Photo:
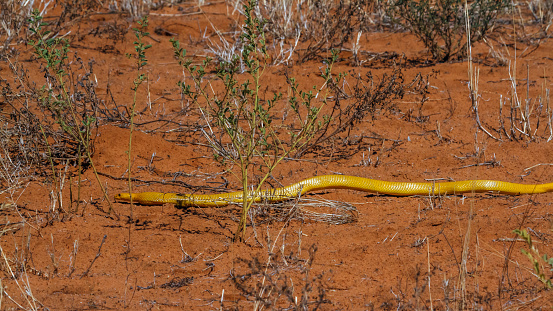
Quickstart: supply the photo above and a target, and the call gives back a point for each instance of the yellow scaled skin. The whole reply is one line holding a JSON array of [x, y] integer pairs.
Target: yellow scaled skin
[[335, 182]]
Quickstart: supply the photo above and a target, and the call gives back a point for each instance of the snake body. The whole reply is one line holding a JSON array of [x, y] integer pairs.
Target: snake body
[[335, 182]]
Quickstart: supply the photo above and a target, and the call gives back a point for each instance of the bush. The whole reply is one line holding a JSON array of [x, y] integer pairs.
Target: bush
[[441, 25], [240, 120]]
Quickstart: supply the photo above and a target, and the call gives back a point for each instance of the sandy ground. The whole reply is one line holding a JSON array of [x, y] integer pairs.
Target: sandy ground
[[401, 252]]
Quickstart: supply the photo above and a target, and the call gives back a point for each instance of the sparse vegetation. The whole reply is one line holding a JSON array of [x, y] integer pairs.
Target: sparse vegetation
[[525, 117], [319, 26], [243, 131], [271, 286], [541, 264], [522, 116]]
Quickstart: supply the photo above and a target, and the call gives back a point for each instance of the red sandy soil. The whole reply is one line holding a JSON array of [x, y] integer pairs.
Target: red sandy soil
[[401, 253]]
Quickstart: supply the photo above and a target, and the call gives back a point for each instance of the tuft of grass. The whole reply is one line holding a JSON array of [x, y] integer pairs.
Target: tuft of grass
[[440, 25], [321, 25], [273, 285], [138, 9], [13, 170], [15, 270], [528, 117], [13, 18], [317, 26], [542, 11], [521, 117]]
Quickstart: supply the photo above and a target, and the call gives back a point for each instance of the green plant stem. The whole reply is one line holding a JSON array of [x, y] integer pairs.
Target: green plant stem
[[129, 151], [79, 168], [141, 61]]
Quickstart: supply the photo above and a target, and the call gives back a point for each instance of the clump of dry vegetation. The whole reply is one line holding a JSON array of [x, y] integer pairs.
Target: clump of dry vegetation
[[321, 25], [13, 19], [274, 284], [441, 25]]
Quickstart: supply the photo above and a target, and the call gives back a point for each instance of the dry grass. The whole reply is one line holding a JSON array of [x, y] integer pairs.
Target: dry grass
[[317, 26], [13, 19], [22, 297]]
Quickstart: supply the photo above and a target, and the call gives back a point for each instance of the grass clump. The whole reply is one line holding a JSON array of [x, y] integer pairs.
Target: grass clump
[[13, 16], [285, 282], [298, 31], [322, 25], [440, 25], [542, 11]]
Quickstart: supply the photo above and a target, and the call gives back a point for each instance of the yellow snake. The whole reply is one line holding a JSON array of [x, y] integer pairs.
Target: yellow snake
[[336, 182]]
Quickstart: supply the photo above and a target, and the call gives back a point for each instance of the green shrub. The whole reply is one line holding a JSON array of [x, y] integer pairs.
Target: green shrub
[[242, 124], [65, 105]]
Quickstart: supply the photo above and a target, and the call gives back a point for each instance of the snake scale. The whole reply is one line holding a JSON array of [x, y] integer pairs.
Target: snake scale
[[336, 182]]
